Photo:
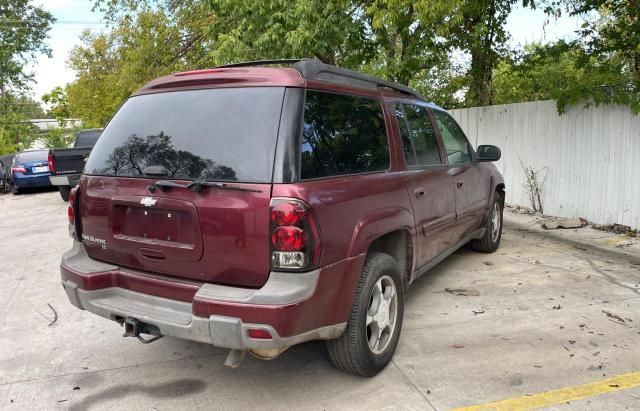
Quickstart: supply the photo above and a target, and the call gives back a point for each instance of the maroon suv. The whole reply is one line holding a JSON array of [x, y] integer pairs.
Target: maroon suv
[[255, 208]]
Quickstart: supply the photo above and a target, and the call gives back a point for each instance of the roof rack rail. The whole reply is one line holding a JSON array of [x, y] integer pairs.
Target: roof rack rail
[[313, 69], [317, 70], [260, 63]]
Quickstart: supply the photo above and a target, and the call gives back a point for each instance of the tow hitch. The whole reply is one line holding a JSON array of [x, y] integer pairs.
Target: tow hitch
[[134, 327]]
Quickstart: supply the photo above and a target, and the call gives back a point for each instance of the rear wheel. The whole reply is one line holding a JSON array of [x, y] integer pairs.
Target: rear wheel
[[14, 189], [64, 192], [373, 329], [493, 233]]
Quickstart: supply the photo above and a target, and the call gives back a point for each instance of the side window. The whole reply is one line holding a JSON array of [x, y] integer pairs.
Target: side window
[[342, 135], [418, 136], [455, 143]]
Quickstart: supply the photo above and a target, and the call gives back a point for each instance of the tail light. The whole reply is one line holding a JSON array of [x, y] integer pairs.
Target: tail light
[[50, 161], [295, 239], [18, 169], [71, 213]]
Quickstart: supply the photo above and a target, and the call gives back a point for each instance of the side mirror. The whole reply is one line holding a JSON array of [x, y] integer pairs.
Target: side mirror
[[488, 153]]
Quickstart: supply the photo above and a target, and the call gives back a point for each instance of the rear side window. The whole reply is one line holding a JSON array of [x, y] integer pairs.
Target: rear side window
[[418, 136], [342, 135], [212, 134]]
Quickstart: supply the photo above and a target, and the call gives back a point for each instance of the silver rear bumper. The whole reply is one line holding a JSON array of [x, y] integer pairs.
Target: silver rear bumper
[[174, 318]]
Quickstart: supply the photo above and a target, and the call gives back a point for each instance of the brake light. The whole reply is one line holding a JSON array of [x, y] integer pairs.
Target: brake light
[[50, 161], [18, 169], [295, 239], [289, 238], [287, 213], [71, 214]]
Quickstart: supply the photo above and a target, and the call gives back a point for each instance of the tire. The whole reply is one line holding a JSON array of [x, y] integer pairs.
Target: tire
[[64, 192], [14, 189], [352, 351], [492, 235]]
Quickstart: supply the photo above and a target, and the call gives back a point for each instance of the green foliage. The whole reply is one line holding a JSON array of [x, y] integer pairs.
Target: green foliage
[[566, 73], [16, 133], [142, 45], [23, 31], [59, 102], [59, 137], [410, 42]]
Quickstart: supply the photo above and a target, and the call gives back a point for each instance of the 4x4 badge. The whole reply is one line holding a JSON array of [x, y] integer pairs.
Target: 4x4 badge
[[148, 201]]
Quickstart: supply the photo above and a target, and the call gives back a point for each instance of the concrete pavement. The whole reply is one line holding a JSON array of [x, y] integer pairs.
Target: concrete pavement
[[538, 322]]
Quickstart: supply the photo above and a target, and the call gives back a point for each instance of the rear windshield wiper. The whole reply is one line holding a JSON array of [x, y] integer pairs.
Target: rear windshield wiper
[[197, 186]]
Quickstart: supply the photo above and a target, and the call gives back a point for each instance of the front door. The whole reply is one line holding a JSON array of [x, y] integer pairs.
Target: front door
[[429, 184], [471, 189]]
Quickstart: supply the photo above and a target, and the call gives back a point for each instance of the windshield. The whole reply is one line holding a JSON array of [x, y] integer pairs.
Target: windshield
[[39, 155], [214, 134]]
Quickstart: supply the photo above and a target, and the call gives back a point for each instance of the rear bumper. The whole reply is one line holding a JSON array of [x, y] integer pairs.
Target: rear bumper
[[292, 307], [65, 180], [31, 181]]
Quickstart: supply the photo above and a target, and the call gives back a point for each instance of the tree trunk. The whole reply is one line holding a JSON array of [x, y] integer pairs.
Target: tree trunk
[[481, 90]]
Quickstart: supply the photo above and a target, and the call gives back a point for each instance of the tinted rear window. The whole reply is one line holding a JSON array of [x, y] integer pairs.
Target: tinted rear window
[[342, 135], [33, 155], [215, 134], [87, 138]]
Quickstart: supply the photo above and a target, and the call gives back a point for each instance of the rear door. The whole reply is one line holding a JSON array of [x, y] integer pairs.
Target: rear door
[[471, 188], [429, 184], [136, 209]]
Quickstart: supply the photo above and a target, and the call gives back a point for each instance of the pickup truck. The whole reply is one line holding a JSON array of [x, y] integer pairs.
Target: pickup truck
[[66, 164]]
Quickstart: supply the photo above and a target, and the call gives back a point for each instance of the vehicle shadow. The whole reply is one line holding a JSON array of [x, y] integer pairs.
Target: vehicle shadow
[[34, 190]]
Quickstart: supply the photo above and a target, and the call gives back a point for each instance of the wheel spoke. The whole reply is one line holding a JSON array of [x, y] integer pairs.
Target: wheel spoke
[[389, 293], [369, 319], [374, 339]]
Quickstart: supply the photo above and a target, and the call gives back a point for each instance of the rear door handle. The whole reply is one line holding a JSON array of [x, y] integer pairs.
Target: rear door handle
[[419, 192], [459, 183]]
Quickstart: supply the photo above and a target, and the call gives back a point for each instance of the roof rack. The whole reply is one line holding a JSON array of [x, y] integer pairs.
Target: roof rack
[[313, 69], [260, 63]]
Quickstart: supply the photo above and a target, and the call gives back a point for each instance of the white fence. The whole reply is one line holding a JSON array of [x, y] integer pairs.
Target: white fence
[[590, 157]]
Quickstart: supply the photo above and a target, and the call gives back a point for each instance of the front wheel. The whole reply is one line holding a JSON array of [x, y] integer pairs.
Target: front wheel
[[493, 233], [373, 329]]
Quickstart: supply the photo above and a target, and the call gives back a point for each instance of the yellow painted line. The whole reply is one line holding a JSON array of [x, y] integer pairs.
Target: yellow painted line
[[562, 395]]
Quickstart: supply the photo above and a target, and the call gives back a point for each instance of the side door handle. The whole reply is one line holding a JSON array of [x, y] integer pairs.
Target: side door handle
[[459, 183], [419, 192]]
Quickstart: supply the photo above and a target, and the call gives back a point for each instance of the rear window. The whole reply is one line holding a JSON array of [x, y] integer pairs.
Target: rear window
[[214, 134], [87, 138], [33, 155], [342, 135]]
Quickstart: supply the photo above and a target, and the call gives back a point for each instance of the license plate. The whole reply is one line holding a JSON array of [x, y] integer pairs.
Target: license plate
[[41, 169]]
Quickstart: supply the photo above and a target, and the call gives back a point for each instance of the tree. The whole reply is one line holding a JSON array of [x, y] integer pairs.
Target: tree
[[564, 72], [145, 42], [23, 31], [59, 102]]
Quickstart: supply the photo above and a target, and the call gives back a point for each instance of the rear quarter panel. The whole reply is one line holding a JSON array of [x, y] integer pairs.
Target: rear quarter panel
[[352, 211]]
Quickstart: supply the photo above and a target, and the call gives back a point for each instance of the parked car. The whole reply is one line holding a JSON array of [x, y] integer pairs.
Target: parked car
[[5, 169], [255, 208], [29, 169], [66, 165]]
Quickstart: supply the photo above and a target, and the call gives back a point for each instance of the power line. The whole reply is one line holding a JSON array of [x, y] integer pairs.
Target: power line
[[9, 22]]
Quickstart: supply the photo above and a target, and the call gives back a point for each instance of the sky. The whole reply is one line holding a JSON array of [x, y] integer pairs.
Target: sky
[[74, 16]]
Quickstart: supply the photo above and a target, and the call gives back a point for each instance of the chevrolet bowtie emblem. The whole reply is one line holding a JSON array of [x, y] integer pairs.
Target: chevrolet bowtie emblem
[[148, 201]]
